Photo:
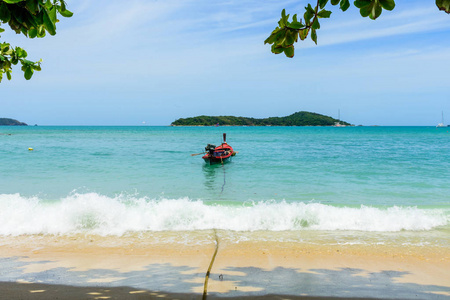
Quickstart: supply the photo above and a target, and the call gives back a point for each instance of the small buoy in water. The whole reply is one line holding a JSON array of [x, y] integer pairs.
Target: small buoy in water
[[30, 149]]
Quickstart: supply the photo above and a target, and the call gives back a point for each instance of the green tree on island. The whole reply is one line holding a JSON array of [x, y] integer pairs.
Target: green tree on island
[[301, 118], [288, 32], [32, 18]]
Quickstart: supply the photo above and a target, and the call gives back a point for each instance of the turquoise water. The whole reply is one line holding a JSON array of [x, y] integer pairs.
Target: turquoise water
[[114, 180]]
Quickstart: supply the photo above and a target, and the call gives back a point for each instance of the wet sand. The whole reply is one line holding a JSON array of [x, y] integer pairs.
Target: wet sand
[[146, 267]]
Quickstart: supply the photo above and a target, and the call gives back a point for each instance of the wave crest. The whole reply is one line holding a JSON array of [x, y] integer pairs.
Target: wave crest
[[97, 214]]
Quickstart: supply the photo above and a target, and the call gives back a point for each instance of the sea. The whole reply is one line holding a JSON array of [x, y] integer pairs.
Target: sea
[[317, 185]]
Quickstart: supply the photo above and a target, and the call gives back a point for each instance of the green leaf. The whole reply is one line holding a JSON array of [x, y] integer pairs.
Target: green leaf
[[284, 18], [276, 35], [8, 74], [362, 3], [48, 4], [387, 4], [32, 6], [27, 62], [272, 36], [443, 5], [371, 9], [314, 36], [303, 34], [63, 6], [13, 1], [4, 47], [315, 24], [288, 39], [335, 2], [52, 14], [277, 49], [21, 53], [41, 31], [309, 14], [49, 25], [32, 21], [376, 12], [66, 13], [5, 65], [324, 14], [291, 37], [345, 4], [310, 9], [24, 31], [322, 3], [28, 73], [32, 33], [295, 25], [289, 51], [5, 14], [365, 11]]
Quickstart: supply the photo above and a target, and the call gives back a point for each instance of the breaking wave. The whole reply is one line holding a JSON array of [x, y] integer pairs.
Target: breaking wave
[[92, 213]]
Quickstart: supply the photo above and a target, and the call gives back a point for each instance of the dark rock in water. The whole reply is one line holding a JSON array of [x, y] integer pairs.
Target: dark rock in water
[[11, 122]]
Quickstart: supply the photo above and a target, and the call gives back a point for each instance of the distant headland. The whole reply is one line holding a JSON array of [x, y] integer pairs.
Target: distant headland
[[11, 122], [301, 118]]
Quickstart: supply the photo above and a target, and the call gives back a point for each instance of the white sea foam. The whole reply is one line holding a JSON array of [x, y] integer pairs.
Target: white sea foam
[[97, 214]]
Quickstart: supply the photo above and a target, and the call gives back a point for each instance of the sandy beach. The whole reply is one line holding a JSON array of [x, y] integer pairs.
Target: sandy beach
[[94, 267]]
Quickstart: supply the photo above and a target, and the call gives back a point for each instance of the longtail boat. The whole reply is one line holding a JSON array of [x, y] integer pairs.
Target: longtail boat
[[219, 154]]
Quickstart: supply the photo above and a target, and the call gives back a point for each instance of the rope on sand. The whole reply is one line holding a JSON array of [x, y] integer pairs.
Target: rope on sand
[[205, 286]]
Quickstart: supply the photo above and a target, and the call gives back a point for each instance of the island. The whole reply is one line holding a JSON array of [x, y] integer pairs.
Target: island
[[301, 118], [11, 122]]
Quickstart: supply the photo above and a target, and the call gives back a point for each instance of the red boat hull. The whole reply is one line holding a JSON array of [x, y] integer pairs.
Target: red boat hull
[[221, 154]]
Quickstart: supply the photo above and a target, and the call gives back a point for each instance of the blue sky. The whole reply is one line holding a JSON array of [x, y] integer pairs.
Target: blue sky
[[156, 61]]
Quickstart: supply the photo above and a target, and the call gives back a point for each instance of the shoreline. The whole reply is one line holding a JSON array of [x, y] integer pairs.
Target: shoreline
[[128, 267]]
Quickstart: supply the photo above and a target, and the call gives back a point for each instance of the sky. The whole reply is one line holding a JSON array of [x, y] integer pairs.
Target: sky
[[150, 62]]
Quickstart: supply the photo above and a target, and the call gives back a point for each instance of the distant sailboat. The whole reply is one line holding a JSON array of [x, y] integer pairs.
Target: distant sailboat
[[338, 123], [442, 123]]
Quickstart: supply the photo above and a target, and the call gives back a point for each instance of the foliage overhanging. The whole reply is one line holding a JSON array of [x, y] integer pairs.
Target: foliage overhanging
[[32, 18], [288, 32]]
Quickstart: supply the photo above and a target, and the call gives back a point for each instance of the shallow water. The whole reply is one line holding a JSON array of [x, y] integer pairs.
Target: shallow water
[[320, 184]]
